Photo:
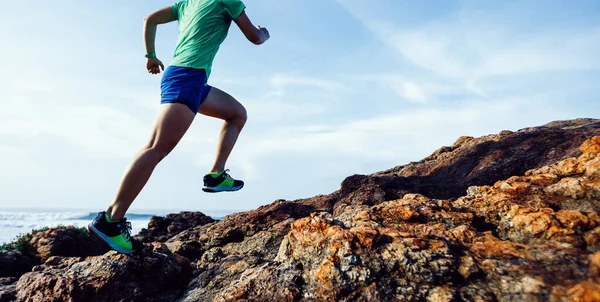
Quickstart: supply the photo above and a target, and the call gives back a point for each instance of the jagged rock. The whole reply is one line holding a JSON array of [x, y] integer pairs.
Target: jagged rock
[[8, 289], [414, 249], [519, 272], [340, 263], [555, 203], [449, 171], [262, 228], [160, 229], [152, 275], [571, 124], [67, 241], [241, 241], [14, 264]]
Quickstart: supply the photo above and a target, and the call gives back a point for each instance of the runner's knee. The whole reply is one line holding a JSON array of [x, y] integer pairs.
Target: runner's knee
[[241, 118], [238, 118], [160, 151]]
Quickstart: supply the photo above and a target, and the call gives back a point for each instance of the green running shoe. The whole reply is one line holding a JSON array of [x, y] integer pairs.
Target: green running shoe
[[116, 234], [221, 182]]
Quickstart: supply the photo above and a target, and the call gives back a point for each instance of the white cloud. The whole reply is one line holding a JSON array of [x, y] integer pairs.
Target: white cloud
[[281, 82], [416, 89], [473, 45], [95, 131], [466, 51]]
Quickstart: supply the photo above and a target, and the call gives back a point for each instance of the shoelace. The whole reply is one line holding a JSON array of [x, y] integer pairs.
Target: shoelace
[[227, 176], [125, 228]]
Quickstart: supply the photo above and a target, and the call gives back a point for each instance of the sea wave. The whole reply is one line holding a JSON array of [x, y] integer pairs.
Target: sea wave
[[9, 231], [49, 216], [17, 225]]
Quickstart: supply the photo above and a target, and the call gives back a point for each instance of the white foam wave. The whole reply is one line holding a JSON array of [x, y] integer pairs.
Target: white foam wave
[[10, 230], [31, 216]]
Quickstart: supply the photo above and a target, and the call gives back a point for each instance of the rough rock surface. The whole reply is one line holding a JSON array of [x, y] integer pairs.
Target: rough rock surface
[[558, 203], [508, 217], [154, 274], [450, 170], [14, 264], [67, 242], [8, 289], [162, 228]]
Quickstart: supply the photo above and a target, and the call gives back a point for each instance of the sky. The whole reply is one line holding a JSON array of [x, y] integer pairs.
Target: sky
[[342, 87]]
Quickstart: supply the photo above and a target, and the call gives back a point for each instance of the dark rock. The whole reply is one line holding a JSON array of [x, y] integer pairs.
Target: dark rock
[[261, 229], [67, 241], [160, 229], [8, 289], [150, 275], [448, 172], [14, 263]]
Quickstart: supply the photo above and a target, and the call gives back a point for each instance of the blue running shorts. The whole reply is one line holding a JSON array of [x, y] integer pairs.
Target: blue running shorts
[[184, 85]]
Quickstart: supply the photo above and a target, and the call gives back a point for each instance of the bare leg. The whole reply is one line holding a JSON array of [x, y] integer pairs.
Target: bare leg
[[221, 105], [172, 122]]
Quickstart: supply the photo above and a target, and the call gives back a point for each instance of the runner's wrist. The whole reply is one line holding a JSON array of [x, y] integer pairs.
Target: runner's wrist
[[150, 55]]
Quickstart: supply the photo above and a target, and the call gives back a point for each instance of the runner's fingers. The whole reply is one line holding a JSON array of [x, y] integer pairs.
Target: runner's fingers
[[155, 68]]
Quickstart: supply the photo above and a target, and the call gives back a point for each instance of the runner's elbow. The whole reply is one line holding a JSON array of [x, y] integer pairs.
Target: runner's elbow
[[150, 19]]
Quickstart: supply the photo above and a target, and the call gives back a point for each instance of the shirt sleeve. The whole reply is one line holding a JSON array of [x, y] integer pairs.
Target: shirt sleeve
[[177, 8], [233, 8]]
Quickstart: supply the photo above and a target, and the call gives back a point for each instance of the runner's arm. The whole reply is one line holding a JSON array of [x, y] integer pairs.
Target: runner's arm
[[161, 16], [257, 35]]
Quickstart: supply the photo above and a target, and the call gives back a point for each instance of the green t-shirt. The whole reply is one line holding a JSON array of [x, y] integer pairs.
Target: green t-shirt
[[203, 26]]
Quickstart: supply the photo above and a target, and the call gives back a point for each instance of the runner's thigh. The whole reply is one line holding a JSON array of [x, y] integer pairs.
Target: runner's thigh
[[221, 105]]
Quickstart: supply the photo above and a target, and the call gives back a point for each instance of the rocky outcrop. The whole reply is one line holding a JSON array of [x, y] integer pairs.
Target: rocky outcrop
[[411, 249], [162, 228], [373, 240], [14, 264], [259, 231], [155, 274], [449, 171], [508, 217], [8, 289], [558, 203], [67, 242], [389, 216]]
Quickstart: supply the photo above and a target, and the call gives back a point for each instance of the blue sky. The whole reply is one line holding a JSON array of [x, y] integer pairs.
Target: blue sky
[[342, 87]]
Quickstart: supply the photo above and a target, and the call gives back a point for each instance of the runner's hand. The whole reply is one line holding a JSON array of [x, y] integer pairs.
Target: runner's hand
[[265, 32], [153, 64]]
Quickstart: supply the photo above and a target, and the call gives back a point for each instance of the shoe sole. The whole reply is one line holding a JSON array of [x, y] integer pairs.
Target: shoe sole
[[221, 189], [104, 238]]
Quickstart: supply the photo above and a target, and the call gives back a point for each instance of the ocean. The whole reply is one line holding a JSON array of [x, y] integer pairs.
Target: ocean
[[22, 221], [14, 223]]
